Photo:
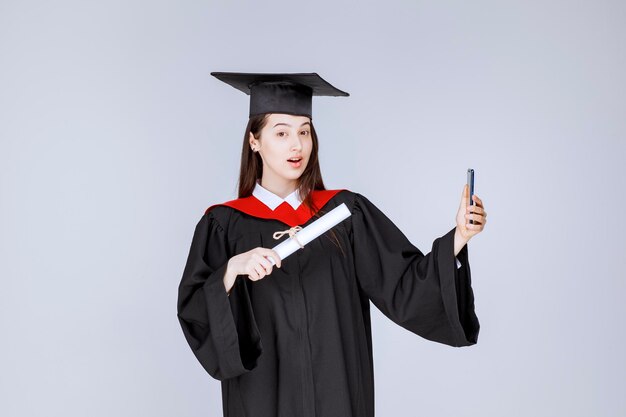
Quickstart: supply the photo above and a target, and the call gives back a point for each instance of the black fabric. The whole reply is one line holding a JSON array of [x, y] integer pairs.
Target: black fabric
[[298, 341], [280, 97]]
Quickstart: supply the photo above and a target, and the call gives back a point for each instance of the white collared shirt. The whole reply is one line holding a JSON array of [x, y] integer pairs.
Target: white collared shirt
[[272, 201]]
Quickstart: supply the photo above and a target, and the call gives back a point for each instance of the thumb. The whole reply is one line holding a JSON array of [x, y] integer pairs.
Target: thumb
[[465, 195]]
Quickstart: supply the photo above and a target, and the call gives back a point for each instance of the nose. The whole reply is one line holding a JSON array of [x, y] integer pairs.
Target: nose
[[297, 144]]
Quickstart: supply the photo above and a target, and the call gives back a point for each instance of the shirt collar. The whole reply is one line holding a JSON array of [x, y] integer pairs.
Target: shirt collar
[[272, 200]]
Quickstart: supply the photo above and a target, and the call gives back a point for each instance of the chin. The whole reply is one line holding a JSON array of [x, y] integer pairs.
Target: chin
[[294, 175]]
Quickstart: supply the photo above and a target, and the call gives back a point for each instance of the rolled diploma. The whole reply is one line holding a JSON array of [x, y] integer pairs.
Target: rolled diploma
[[315, 229]]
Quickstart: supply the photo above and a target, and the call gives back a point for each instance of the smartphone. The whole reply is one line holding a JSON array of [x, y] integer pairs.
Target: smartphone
[[470, 183]]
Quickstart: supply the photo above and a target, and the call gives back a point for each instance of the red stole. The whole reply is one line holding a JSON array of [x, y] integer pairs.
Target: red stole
[[284, 212]]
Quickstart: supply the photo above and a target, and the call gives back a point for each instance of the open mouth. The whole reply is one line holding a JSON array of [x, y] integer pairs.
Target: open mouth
[[295, 162]]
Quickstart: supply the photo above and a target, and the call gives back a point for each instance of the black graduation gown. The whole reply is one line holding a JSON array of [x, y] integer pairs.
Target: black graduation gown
[[298, 342]]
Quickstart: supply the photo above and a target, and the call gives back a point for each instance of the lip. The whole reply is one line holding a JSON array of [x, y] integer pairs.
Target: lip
[[295, 164]]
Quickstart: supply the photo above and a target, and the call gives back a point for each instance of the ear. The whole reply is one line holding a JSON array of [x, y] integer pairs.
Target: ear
[[253, 141]]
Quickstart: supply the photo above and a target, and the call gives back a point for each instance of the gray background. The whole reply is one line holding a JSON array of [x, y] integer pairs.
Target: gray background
[[115, 139]]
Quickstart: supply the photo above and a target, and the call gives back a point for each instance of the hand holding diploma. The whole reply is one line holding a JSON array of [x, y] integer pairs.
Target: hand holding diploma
[[315, 229], [258, 262]]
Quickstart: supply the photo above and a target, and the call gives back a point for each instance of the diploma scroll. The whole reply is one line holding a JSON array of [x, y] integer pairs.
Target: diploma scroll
[[315, 229]]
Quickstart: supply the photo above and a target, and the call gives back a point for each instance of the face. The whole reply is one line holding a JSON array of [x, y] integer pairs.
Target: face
[[283, 137]]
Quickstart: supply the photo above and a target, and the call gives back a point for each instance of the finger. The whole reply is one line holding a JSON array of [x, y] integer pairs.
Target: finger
[[265, 254], [264, 263], [258, 256], [260, 270], [478, 201], [474, 209], [277, 259], [256, 268], [475, 217], [273, 255]]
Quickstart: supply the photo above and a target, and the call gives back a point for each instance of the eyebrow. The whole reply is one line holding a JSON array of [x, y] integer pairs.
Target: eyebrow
[[287, 124]]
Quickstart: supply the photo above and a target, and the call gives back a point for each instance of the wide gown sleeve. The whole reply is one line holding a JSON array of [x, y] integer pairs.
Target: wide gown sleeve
[[220, 329], [426, 294]]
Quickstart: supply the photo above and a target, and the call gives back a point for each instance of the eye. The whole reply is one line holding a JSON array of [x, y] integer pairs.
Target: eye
[[306, 132], [281, 134]]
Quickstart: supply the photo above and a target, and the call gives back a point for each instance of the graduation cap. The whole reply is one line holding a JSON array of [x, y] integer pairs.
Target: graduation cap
[[280, 92]]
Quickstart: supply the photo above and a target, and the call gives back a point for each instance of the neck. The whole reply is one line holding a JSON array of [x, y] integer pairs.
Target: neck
[[282, 187]]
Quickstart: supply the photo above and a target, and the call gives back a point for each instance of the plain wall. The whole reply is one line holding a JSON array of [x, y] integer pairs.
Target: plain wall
[[114, 139]]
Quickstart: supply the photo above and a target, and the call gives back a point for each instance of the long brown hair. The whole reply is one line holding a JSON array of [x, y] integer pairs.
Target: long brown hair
[[252, 169]]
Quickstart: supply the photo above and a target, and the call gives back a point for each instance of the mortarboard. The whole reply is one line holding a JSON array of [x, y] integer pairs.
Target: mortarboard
[[280, 92]]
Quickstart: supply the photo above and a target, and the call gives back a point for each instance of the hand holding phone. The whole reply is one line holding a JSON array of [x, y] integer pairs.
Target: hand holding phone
[[470, 183]]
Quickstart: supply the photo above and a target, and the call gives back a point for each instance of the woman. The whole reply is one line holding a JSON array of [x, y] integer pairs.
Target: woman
[[296, 340]]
